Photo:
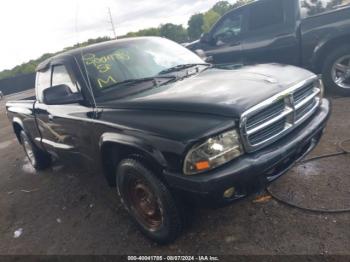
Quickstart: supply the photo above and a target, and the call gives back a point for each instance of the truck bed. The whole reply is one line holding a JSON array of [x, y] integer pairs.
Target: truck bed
[[17, 106], [21, 114]]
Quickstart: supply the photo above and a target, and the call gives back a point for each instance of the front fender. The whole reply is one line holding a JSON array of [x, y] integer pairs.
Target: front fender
[[134, 142]]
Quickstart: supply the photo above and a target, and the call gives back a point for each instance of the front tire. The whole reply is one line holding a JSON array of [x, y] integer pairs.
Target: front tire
[[38, 159], [336, 71], [149, 202]]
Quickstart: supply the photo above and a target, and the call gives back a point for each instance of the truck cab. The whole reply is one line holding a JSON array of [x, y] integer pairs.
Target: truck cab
[[258, 32]]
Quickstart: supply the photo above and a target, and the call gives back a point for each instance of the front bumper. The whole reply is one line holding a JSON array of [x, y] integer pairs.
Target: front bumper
[[253, 171]]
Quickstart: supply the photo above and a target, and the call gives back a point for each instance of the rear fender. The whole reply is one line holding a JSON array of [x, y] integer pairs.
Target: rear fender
[[324, 48], [17, 126]]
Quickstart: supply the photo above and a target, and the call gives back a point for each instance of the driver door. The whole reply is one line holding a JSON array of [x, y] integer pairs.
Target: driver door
[[227, 36], [63, 127]]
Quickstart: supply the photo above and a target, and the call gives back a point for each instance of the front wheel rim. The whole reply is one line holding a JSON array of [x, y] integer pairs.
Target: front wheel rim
[[144, 203], [341, 72]]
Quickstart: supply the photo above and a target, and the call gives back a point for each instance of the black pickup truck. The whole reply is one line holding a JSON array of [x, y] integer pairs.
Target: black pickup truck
[[166, 128], [311, 34]]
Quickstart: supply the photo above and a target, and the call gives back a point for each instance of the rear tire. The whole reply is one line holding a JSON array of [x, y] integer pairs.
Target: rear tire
[[331, 74], [149, 202], [38, 159]]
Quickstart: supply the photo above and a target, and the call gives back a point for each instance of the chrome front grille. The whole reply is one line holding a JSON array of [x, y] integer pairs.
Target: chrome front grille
[[304, 109], [270, 113], [267, 132], [302, 93], [270, 120]]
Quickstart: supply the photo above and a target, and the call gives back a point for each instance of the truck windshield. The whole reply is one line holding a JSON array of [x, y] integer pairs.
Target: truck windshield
[[134, 59]]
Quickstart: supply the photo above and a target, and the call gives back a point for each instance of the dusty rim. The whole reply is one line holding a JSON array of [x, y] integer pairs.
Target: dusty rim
[[144, 202], [341, 72]]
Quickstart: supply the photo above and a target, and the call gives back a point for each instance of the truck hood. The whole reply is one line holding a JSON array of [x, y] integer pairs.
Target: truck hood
[[225, 92]]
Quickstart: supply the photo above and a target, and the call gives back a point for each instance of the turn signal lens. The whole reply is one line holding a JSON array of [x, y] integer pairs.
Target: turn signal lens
[[202, 165]]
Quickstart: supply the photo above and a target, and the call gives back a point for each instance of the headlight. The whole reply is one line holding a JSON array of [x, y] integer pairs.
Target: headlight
[[212, 153]]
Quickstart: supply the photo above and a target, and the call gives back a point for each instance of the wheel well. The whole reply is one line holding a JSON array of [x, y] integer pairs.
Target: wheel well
[[325, 51], [113, 153], [17, 129]]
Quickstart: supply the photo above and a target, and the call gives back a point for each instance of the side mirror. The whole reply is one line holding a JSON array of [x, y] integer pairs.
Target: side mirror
[[203, 55], [60, 95], [205, 38]]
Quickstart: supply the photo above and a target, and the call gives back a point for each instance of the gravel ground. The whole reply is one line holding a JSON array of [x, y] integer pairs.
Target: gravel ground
[[69, 211]]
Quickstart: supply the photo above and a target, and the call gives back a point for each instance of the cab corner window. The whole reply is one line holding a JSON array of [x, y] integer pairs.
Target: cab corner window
[[60, 76], [266, 14], [315, 7], [43, 81]]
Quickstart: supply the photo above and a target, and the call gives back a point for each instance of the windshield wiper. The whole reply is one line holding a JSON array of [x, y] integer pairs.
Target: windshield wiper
[[181, 67]]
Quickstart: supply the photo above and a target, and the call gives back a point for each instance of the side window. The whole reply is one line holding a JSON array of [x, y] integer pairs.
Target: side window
[[43, 81], [266, 14], [228, 29], [60, 76]]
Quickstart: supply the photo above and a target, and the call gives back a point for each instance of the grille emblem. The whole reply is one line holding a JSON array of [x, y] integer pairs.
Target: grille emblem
[[289, 101]]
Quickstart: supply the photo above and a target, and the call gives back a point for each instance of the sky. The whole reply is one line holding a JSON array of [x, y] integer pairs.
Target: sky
[[29, 29]]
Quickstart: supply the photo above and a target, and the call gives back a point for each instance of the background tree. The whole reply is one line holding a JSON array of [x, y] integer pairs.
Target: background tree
[[222, 7], [153, 31], [209, 19], [195, 25], [174, 32], [313, 6]]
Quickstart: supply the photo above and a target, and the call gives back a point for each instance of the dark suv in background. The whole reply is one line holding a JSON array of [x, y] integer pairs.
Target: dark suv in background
[[309, 34]]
